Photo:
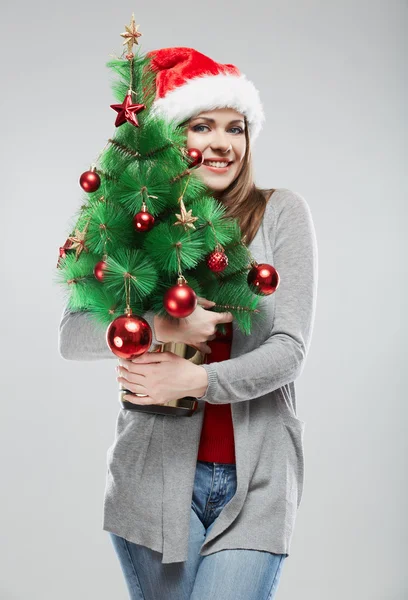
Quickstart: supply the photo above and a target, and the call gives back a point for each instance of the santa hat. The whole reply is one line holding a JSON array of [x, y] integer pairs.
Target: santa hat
[[188, 82]]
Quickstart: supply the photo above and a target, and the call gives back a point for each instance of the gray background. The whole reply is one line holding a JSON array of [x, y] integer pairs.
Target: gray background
[[333, 83]]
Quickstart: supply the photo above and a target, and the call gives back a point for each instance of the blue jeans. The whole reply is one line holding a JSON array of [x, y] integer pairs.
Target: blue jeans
[[224, 575]]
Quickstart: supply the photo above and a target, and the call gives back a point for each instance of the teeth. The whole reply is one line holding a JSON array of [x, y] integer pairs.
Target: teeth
[[216, 163]]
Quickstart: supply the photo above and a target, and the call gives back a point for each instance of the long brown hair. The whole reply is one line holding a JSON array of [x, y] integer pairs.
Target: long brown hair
[[242, 198]]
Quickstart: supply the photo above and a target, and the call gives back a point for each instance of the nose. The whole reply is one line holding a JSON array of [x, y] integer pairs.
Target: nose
[[221, 144]]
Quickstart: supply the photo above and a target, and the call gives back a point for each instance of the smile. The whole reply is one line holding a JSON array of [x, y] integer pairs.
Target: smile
[[213, 166]]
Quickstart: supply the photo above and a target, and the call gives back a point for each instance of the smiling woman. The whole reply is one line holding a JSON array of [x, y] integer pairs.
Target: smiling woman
[[205, 507]]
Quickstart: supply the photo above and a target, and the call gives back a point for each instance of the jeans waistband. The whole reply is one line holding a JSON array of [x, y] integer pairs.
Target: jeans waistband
[[225, 465]]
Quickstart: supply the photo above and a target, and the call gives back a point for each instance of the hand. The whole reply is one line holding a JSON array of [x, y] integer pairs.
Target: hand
[[163, 376], [195, 329]]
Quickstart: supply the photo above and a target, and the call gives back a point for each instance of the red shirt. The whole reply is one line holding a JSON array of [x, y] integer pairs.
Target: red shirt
[[217, 433]]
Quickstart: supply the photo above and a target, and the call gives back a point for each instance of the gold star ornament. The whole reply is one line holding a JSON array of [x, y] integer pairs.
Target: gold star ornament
[[78, 242], [131, 34], [185, 217]]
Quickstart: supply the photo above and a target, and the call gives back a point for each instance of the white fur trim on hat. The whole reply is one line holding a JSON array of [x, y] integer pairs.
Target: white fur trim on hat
[[209, 92]]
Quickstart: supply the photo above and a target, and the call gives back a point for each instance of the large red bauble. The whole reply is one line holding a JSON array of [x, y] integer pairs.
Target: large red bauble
[[195, 157], [217, 261], [143, 221], [129, 337], [90, 181], [99, 269], [180, 300], [263, 279]]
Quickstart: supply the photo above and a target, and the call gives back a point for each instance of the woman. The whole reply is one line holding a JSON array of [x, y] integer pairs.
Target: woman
[[205, 507]]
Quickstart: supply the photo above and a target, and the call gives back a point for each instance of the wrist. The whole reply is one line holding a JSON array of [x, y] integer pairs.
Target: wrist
[[201, 381], [159, 325]]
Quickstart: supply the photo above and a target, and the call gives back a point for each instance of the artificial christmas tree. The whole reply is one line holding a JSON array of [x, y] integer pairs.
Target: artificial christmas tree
[[149, 235]]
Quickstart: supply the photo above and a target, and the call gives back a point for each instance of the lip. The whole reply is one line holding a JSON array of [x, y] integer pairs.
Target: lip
[[219, 170]]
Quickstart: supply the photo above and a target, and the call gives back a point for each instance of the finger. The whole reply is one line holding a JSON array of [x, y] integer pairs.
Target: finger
[[141, 399], [131, 387], [145, 358], [149, 357], [137, 399], [202, 348], [130, 376], [124, 363], [204, 302], [212, 337], [225, 317]]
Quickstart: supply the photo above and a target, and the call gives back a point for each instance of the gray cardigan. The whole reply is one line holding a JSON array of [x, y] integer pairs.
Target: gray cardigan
[[151, 462]]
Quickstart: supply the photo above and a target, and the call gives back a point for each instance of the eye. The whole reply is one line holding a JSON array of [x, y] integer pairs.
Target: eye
[[194, 128]]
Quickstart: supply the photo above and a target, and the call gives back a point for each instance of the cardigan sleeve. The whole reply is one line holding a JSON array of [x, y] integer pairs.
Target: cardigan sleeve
[[81, 337], [281, 358]]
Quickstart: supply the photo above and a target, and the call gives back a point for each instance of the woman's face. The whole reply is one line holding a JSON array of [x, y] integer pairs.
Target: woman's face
[[219, 134]]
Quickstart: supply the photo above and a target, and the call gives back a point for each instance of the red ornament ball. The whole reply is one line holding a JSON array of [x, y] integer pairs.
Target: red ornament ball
[[195, 157], [99, 269], [263, 279], [90, 181], [62, 253], [129, 336], [180, 300], [217, 261], [143, 221]]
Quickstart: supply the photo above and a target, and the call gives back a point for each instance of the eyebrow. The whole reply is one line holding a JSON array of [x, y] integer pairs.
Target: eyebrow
[[213, 120]]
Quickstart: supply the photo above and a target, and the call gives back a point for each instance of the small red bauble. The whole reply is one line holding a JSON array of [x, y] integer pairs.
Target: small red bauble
[[263, 279], [180, 300], [217, 261], [99, 269], [129, 336], [62, 253], [195, 157], [143, 221], [90, 181]]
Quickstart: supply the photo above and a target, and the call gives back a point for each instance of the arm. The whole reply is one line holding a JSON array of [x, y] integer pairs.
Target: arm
[[280, 360], [80, 337]]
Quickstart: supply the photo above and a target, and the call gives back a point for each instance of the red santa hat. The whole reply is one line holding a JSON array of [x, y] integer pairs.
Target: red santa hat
[[188, 82]]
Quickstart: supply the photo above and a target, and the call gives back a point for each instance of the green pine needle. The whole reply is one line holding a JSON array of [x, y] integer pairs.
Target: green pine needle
[[167, 243], [141, 182], [126, 264], [110, 226], [77, 277]]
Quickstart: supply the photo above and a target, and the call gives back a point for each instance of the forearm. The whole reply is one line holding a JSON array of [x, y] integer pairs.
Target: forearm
[[81, 337], [277, 362]]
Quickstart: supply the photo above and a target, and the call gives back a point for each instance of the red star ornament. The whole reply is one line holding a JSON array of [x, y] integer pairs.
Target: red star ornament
[[127, 111]]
